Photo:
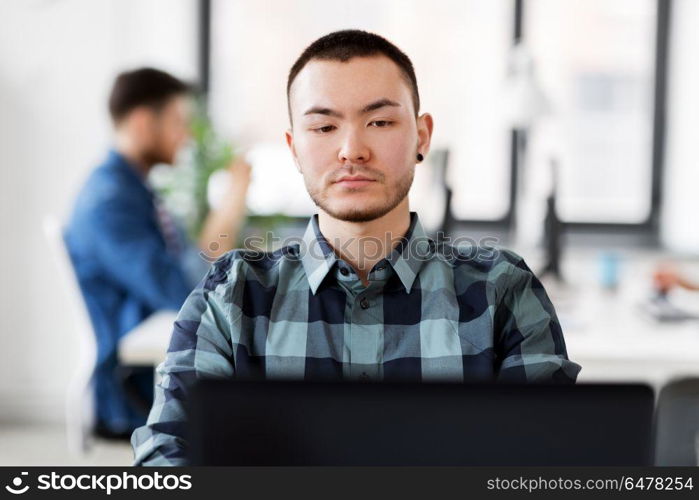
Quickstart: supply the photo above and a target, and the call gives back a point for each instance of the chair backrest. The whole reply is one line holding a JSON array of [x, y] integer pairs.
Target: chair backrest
[[677, 423], [53, 231], [79, 402]]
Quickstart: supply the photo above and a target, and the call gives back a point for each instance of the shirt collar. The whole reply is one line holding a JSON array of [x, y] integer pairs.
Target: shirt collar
[[116, 159], [406, 259]]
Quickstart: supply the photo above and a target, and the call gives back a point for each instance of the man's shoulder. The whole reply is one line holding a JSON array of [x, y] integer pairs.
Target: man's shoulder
[[482, 260], [251, 264], [107, 185]]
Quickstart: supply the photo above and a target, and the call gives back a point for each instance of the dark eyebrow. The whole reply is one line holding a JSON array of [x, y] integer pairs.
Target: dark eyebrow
[[319, 110], [379, 104]]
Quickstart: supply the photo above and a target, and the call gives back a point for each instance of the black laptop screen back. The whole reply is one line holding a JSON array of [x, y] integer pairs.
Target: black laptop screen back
[[301, 423]]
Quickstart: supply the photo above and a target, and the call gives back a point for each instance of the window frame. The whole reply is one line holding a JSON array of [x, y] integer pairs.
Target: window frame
[[645, 233]]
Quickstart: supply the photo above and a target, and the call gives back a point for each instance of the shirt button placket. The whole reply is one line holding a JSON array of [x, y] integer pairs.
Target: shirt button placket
[[361, 340]]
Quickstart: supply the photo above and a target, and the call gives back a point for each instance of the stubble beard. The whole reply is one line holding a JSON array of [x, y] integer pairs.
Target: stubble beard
[[323, 200]]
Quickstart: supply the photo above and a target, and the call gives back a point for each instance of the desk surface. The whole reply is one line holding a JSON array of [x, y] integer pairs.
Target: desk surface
[[611, 334]]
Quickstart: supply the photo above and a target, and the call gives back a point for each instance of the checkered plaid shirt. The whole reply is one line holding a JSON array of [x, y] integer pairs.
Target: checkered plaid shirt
[[430, 312]]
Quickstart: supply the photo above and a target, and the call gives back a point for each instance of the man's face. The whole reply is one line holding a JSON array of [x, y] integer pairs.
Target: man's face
[[169, 129], [355, 136]]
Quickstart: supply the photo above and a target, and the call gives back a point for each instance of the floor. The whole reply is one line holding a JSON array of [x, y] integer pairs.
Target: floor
[[45, 444]]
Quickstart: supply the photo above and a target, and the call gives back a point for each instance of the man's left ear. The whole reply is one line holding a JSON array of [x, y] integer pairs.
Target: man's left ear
[[289, 135], [424, 133]]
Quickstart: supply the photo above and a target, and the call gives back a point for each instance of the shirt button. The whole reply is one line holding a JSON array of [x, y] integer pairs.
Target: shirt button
[[344, 271], [364, 303]]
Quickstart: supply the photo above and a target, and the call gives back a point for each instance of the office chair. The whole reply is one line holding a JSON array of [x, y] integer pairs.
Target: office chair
[[79, 399], [677, 423]]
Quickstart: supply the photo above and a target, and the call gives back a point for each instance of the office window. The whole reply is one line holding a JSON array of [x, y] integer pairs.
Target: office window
[[459, 50], [596, 61]]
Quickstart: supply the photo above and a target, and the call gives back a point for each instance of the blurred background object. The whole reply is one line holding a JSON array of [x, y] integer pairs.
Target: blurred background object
[[677, 424], [619, 81]]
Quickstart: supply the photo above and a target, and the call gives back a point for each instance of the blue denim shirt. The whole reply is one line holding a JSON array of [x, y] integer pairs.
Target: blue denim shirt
[[124, 270]]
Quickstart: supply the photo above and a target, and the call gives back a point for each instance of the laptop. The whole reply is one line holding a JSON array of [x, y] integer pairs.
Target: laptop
[[284, 423]]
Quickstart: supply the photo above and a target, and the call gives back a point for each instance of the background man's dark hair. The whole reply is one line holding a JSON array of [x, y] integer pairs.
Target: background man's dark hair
[[346, 44], [143, 87]]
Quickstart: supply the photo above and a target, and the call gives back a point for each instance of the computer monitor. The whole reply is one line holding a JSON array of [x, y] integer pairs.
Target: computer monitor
[[365, 424]]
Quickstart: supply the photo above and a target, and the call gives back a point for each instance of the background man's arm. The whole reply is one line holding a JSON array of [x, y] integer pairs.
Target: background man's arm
[[222, 226]]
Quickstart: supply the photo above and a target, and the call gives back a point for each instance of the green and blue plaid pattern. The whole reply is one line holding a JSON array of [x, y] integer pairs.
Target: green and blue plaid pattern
[[431, 312]]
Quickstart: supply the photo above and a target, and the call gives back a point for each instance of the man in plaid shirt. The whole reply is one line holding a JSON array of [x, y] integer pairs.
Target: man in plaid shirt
[[365, 295]]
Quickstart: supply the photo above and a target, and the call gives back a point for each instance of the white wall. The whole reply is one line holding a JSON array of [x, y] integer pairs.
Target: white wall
[[680, 230], [57, 60]]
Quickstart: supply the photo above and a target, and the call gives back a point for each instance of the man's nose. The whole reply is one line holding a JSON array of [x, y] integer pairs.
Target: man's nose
[[354, 149]]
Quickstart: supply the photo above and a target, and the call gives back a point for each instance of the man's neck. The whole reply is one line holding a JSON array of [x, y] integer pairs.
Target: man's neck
[[363, 244], [133, 156]]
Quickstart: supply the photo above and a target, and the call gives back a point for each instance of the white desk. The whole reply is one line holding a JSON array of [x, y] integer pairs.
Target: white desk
[[147, 343], [611, 335], [619, 344]]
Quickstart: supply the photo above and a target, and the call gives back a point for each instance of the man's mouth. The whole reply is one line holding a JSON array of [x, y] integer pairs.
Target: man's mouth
[[354, 181]]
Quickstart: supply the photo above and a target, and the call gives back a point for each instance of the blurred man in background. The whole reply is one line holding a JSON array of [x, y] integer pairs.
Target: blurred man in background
[[130, 257]]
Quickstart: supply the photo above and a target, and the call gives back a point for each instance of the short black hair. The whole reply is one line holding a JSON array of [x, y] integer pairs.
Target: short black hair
[[346, 44], [143, 87]]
